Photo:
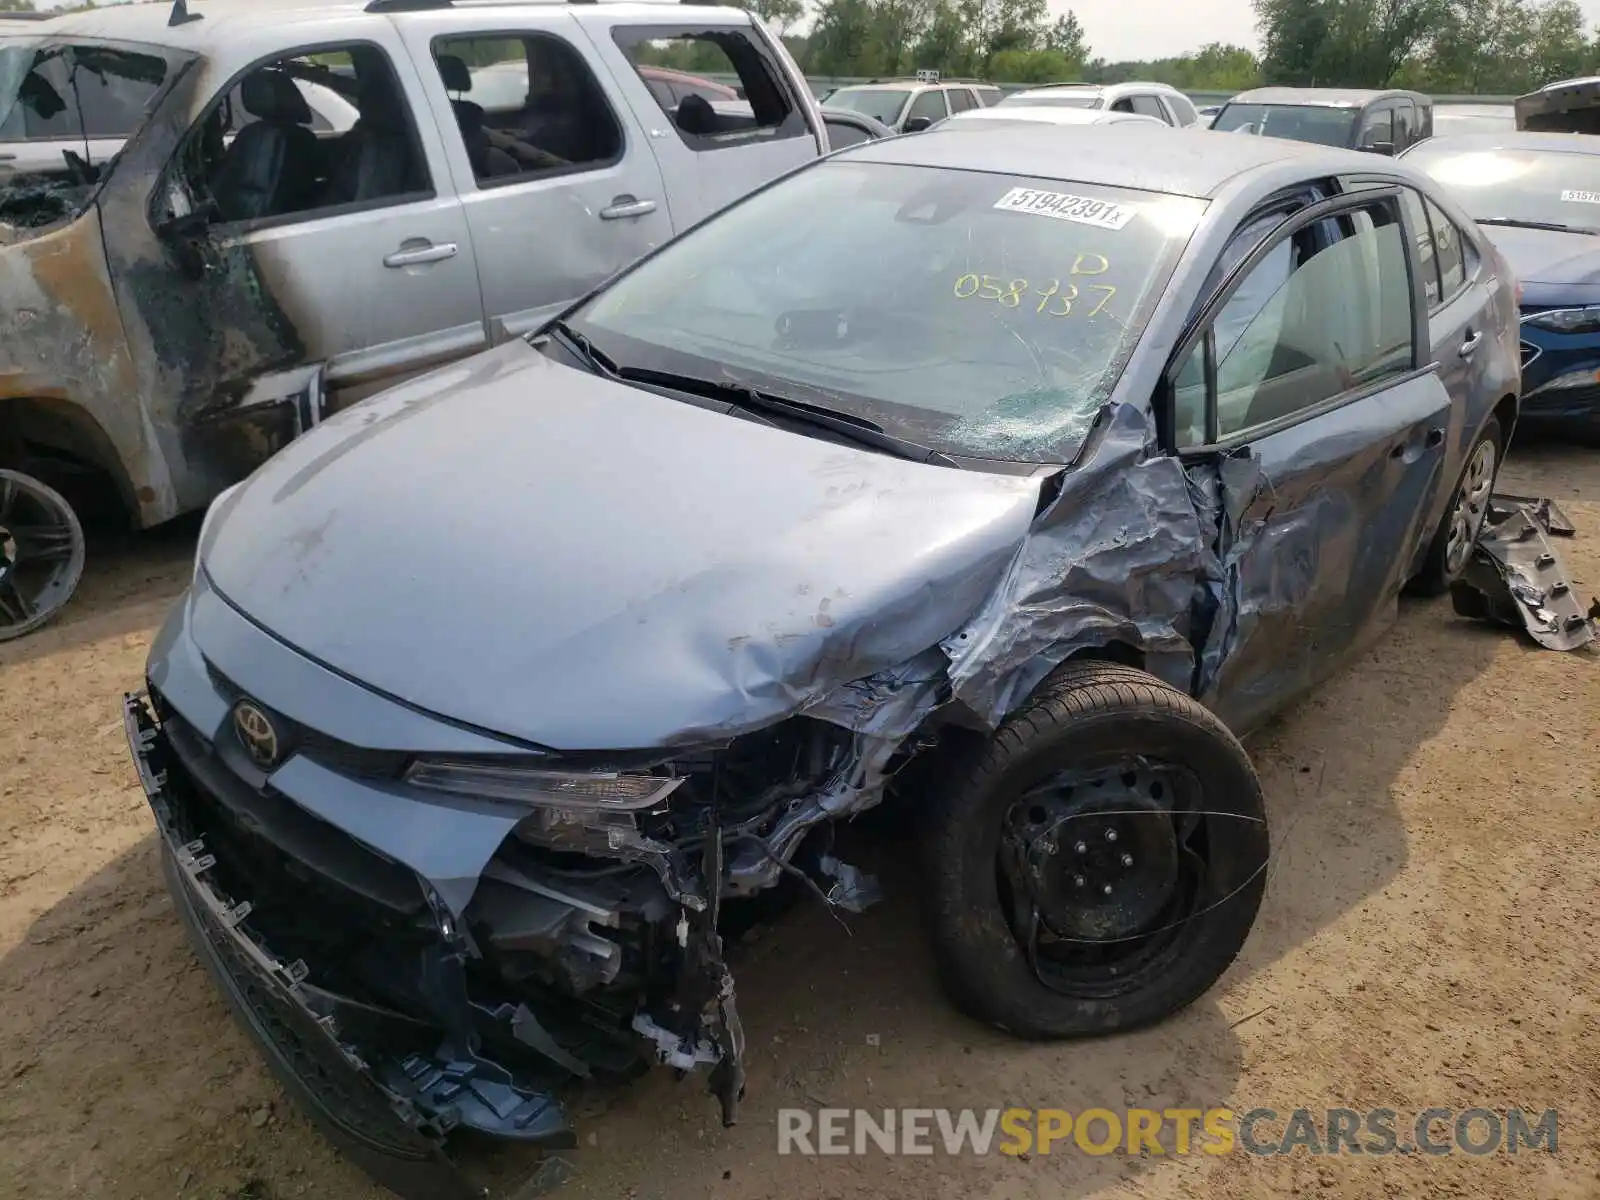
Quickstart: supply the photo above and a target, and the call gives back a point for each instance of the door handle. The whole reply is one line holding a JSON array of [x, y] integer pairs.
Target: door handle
[[419, 255], [627, 206], [1471, 344]]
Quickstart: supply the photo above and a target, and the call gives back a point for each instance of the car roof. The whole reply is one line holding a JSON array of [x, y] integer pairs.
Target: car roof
[[1324, 97], [1053, 115], [1097, 88], [149, 22], [902, 85], [1149, 156], [1514, 139]]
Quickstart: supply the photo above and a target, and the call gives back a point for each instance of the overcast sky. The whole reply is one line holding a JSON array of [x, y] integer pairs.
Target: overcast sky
[[1125, 29]]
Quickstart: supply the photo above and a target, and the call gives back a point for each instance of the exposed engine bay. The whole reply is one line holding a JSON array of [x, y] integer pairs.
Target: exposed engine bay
[[593, 944], [621, 905]]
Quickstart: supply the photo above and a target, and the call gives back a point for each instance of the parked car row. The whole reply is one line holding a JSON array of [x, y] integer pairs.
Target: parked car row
[[1012, 471]]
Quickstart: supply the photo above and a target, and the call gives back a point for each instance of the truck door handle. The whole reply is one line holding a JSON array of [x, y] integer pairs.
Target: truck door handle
[[1471, 344], [416, 256], [627, 206]]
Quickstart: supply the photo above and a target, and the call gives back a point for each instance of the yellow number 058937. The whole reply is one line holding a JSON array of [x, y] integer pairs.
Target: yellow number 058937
[[1054, 300]]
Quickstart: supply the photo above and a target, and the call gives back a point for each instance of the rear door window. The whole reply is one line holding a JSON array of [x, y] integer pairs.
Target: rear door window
[[528, 106], [1377, 128], [1427, 259], [1150, 106], [961, 100], [929, 104], [1450, 247], [1405, 125], [709, 69]]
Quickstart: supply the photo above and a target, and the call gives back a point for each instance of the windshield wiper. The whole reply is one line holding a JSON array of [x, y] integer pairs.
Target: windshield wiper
[[744, 397], [1552, 226], [597, 360]]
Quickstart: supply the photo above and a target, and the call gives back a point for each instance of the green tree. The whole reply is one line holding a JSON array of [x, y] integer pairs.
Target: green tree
[[780, 14], [1066, 38]]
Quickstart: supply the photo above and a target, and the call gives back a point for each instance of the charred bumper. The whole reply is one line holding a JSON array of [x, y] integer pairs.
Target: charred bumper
[[385, 1086]]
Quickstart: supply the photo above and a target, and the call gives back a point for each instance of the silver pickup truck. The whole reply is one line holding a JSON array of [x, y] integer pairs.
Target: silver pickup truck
[[204, 263]]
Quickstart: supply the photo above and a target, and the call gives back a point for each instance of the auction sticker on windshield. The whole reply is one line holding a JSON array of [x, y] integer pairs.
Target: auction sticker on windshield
[[1065, 207], [1581, 197]]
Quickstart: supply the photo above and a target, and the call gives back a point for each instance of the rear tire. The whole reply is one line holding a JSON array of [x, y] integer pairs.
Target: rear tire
[[1469, 507], [1096, 721]]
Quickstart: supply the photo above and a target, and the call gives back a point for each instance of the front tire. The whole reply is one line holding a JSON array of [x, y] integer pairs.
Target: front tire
[[1100, 863]]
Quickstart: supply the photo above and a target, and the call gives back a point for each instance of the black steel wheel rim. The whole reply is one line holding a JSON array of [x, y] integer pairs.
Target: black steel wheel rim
[[1102, 870]]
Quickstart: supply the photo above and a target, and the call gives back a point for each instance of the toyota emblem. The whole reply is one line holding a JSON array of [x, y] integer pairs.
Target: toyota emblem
[[256, 734]]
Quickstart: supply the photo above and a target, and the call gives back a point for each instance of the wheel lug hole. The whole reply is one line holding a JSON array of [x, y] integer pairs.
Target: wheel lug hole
[[1078, 881], [1106, 891], [1127, 860], [1111, 835], [1082, 848]]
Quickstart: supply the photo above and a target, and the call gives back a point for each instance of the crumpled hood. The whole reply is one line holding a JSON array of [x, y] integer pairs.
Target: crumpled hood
[[1548, 255], [581, 564]]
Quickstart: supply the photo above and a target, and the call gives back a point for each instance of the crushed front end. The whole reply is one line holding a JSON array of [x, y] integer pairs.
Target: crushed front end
[[402, 993]]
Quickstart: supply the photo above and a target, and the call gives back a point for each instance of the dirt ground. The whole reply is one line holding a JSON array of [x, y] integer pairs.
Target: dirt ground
[[1427, 939]]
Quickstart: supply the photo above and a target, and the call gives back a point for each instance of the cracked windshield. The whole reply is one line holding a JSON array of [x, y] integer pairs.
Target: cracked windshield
[[980, 314]]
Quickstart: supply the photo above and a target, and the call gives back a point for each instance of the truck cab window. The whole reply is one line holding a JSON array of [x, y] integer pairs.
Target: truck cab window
[[725, 89], [526, 107]]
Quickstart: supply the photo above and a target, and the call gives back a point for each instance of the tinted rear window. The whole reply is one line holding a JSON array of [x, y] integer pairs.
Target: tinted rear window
[[1298, 122]]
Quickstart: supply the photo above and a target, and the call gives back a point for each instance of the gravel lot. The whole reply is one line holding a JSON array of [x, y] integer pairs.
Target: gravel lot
[[1427, 939]]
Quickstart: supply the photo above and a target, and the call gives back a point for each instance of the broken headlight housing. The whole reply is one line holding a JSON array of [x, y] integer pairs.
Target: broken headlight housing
[[588, 791], [1567, 320]]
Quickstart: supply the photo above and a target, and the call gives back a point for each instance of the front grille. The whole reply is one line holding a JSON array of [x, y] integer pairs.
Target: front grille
[[275, 838], [343, 757]]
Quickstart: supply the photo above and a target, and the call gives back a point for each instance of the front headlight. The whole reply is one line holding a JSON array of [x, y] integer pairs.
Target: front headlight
[[595, 791], [1567, 320]]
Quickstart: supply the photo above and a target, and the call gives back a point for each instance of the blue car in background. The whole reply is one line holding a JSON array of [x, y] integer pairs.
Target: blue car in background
[[1537, 195]]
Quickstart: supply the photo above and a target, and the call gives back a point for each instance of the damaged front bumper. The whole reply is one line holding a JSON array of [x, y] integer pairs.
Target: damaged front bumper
[[415, 962], [390, 1112]]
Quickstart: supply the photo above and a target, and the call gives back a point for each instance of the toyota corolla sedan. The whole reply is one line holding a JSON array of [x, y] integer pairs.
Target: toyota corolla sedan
[[1014, 473], [1537, 197]]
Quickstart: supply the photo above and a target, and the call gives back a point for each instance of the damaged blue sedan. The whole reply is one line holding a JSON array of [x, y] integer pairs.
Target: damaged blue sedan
[[1012, 475]]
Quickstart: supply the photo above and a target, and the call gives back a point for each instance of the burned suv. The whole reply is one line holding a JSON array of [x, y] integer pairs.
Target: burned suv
[[222, 221]]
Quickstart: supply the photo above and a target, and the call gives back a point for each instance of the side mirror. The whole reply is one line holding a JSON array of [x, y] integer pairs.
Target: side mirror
[[917, 124]]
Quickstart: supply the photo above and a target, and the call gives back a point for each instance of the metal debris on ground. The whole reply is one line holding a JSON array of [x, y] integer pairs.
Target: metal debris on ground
[[1516, 578]]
